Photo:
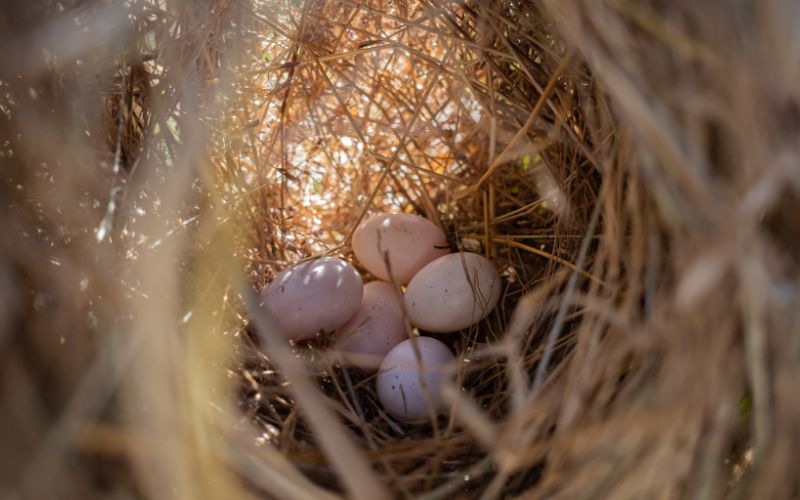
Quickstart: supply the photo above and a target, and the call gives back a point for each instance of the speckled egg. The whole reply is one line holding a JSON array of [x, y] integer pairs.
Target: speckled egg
[[375, 329], [313, 296], [410, 240], [452, 292], [399, 381]]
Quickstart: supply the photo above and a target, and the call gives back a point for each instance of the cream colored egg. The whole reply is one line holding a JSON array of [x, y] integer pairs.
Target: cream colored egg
[[410, 240], [400, 378], [315, 296], [376, 328], [452, 292]]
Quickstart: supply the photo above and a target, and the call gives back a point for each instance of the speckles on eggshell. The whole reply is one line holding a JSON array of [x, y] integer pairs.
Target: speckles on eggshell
[[442, 297], [332, 285], [399, 383]]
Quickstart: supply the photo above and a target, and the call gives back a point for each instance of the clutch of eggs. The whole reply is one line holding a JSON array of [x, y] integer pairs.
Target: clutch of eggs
[[445, 292]]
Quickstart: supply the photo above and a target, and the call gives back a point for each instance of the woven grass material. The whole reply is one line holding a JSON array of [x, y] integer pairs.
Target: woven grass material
[[631, 168]]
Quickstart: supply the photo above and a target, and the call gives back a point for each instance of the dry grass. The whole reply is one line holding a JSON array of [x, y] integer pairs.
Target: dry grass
[[630, 167]]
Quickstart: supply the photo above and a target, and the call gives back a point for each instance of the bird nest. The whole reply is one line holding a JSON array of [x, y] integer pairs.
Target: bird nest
[[630, 169]]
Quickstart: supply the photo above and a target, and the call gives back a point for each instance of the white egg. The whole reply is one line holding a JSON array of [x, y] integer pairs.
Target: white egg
[[313, 296], [452, 292], [410, 240], [400, 378], [376, 328]]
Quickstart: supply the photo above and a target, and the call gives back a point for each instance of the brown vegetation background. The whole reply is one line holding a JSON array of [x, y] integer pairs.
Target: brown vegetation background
[[631, 168]]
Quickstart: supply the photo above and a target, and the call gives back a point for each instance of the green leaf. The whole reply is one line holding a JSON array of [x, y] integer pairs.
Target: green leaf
[[744, 406]]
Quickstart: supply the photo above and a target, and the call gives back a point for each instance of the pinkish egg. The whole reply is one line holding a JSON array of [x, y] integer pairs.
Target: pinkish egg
[[376, 328], [452, 292], [400, 378], [314, 296], [410, 240]]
